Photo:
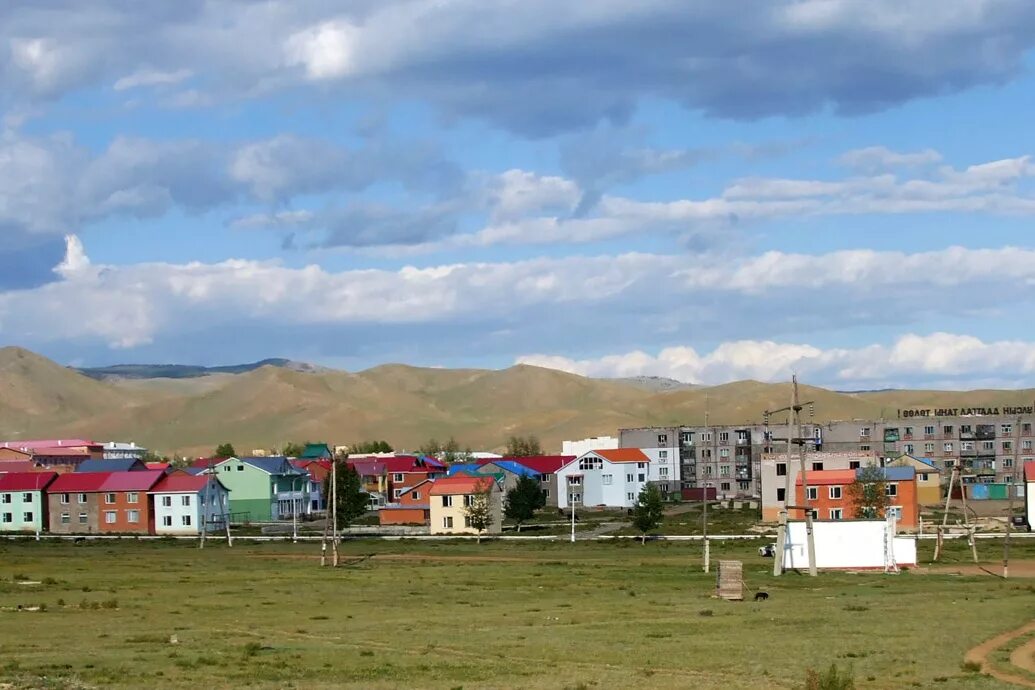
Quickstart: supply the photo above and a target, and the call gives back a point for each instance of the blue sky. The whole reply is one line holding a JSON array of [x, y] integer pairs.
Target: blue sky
[[839, 188]]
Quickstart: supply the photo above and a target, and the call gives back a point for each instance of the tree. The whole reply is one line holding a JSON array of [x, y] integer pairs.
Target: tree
[[292, 449], [648, 511], [523, 446], [523, 500], [448, 452], [868, 493], [225, 450], [352, 500], [479, 511], [371, 447]]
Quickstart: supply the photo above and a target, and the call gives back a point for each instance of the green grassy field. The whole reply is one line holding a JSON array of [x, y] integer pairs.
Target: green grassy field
[[499, 615]]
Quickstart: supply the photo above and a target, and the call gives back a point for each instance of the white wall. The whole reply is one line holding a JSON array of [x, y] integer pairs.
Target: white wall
[[621, 492], [213, 510], [846, 544], [667, 459], [585, 445], [1029, 502]]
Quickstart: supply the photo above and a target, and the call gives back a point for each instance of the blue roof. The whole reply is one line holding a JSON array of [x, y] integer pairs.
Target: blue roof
[[893, 474], [515, 467], [114, 465], [276, 464], [927, 461], [464, 468]]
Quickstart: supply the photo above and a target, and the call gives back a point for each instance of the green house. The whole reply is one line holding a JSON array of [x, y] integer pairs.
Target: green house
[[23, 507], [316, 451], [264, 489]]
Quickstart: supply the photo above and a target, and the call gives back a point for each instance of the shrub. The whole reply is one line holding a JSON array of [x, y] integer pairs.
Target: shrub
[[831, 679], [252, 648], [971, 666]]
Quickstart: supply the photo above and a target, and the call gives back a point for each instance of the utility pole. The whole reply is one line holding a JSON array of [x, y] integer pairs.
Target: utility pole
[[707, 550], [797, 438], [334, 514], [1012, 489]]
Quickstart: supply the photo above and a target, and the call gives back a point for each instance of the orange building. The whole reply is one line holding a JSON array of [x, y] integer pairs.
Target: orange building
[[413, 507], [830, 498]]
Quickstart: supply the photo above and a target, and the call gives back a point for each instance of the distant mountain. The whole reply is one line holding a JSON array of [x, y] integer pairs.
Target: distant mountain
[[188, 371], [272, 404], [652, 383]]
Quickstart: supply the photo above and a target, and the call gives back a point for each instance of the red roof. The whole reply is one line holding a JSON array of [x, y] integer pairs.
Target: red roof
[[824, 477], [80, 482], [55, 452], [25, 481], [56, 443], [411, 463], [205, 462], [543, 464], [17, 466], [368, 468], [623, 455], [461, 484], [181, 483], [157, 465], [141, 480]]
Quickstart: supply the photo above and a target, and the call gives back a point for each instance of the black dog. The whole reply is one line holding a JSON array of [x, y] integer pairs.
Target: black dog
[[761, 596]]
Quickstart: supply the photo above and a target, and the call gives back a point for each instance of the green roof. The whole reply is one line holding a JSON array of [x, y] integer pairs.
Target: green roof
[[317, 450]]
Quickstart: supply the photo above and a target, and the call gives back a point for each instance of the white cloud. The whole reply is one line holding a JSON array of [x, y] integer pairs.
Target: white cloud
[[912, 359], [151, 77], [326, 51], [879, 158]]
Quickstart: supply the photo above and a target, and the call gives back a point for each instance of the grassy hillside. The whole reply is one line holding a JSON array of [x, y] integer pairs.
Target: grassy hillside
[[406, 405]]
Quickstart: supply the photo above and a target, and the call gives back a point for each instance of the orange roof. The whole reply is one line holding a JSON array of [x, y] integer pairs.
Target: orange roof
[[461, 484], [823, 477], [623, 455]]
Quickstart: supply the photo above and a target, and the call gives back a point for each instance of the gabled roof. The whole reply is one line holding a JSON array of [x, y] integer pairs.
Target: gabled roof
[[79, 482], [828, 477], [17, 466], [894, 474], [276, 464], [132, 481], [541, 464], [413, 463], [157, 465], [55, 452], [115, 465], [182, 483], [462, 484], [26, 481], [623, 455], [464, 468], [906, 457], [515, 467], [205, 462], [368, 468], [316, 450], [50, 443]]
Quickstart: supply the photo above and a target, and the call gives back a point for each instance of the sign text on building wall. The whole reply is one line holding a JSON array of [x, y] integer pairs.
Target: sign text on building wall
[[965, 411]]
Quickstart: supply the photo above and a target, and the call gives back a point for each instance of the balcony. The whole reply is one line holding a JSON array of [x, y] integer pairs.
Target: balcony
[[985, 432]]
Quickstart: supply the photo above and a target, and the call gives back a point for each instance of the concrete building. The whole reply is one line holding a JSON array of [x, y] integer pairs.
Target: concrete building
[[413, 507], [114, 450], [830, 498], [775, 472], [604, 478], [583, 446], [451, 496]]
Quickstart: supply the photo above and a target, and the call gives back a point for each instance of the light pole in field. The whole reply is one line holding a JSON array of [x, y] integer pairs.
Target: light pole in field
[[704, 530], [574, 482]]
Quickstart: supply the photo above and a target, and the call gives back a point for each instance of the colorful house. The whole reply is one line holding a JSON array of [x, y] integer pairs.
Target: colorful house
[[318, 471], [58, 455], [831, 499], [450, 496], [183, 503], [112, 465], [610, 478], [99, 502], [23, 504], [412, 508], [406, 470], [264, 489], [545, 467], [316, 451], [373, 477], [928, 479]]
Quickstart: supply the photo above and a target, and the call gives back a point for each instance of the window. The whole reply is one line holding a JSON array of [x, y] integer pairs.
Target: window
[[606, 479], [1007, 462], [546, 493], [82, 499], [64, 499], [662, 471], [226, 468], [397, 477], [630, 477], [641, 465], [240, 468], [396, 493], [965, 429], [835, 513], [724, 486], [895, 511], [544, 479], [966, 445], [184, 520], [641, 477], [781, 469], [742, 437], [7, 518], [724, 436], [947, 429], [185, 500], [988, 445], [447, 521], [707, 470], [630, 496], [864, 446], [167, 501], [928, 447], [854, 464], [706, 436], [447, 502], [781, 495], [591, 463], [817, 467], [167, 521], [576, 498], [813, 493], [834, 492], [923, 476], [1006, 429], [5, 499], [662, 439], [65, 518], [415, 495], [467, 521], [814, 513], [26, 517], [468, 501], [109, 517], [724, 470], [687, 437], [909, 431], [1007, 445], [891, 489], [1026, 428], [908, 448], [83, 518], [724, 452], [575, 480], [1026, 444], [864, 432], [947, 446], [929, 431], [662, 455], [27, 498]]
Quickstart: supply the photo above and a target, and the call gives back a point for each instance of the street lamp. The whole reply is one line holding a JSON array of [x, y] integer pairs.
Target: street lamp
[[704, 530], [573, 481]]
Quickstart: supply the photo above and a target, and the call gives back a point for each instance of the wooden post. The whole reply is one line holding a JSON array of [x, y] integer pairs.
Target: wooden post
[[800, 440], [334, 514]]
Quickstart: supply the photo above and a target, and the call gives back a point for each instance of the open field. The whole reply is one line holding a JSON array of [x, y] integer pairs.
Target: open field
[[456, 614]]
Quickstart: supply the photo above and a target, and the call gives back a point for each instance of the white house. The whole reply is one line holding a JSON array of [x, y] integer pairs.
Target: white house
[[611, 478], [114, 450], [663, 468], [183, 501], [585, 445]]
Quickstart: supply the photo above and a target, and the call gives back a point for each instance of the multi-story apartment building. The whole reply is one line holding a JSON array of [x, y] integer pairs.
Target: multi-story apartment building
[[777, 473]]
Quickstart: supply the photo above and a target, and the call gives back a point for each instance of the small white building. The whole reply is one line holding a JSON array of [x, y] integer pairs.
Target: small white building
[[585, 445], [608, 478], [183, 501], [114, 450], [849, 545], [1029, 493]]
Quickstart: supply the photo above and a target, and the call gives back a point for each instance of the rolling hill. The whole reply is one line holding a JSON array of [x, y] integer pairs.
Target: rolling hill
[[269, 405]]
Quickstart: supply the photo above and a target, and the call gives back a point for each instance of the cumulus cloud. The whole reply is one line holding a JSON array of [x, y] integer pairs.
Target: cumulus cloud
[[938, 358], [539, 66], [151, 77]]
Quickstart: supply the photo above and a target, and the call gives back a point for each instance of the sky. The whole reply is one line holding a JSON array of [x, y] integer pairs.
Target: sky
[[706, 191]]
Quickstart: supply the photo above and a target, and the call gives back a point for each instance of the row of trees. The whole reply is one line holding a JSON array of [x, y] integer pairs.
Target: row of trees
[[449, 451]]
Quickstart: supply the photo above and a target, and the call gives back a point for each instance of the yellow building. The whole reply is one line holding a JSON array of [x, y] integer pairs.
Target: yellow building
[[451, 498], [928, 479]]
